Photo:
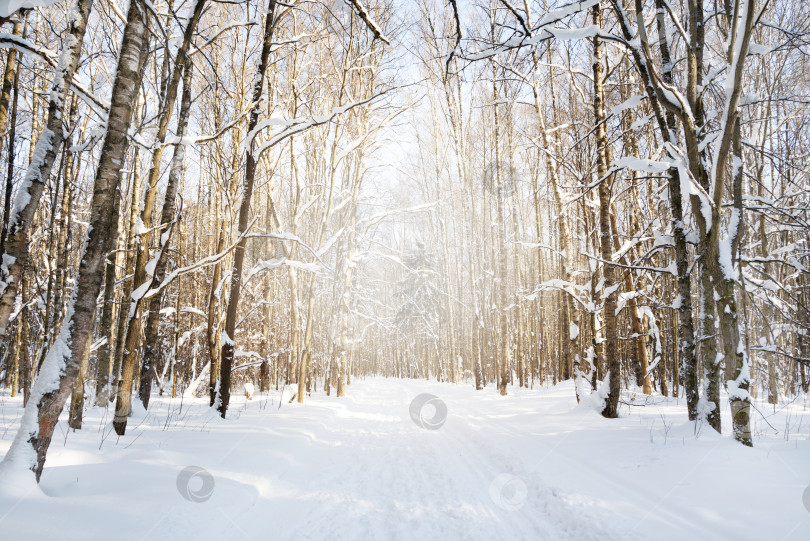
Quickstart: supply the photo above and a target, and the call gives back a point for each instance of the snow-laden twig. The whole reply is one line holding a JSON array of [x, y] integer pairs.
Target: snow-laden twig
[[376, 218], [195, 139], [42, 54], [272, 264], [544, 30], [297, 125], [690, 186], [370, 23], [228, 26], [205, 262], [287, 236]]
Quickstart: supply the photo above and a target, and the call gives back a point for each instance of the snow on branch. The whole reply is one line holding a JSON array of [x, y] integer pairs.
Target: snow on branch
[[9, 8], [228, 26], [272, 264], [528, 245], [375, 218], [194, 139], [297, 125], [205, 262], [286, 236], [690, 186], [545, 30], [571, 288], [370, 23], [671, 269], [792, 262], [37, 52]]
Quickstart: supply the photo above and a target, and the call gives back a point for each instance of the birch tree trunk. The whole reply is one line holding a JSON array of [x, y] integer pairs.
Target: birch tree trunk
[[15, 249], [612, 363], [61, 366]]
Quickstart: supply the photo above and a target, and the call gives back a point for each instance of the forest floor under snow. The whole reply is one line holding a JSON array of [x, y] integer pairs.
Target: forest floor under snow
[[531, 465]]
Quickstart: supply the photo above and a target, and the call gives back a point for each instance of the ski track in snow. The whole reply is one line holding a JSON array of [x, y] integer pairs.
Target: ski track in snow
[[359, 468]]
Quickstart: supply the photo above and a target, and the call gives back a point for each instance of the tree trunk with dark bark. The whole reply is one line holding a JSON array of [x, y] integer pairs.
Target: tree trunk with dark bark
[[226, 362], [10, 82], [139, 280], [151, 347], [611, 351]]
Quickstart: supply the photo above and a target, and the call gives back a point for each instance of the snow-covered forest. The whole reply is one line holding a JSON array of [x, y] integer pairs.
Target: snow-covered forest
[[366, 269]]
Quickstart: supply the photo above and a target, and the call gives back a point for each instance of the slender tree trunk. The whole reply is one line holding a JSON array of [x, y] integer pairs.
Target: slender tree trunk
[[11, 72], [264, 370], [25, 367], [734, 350], [306, 353], [635, 318], [142, 279], [244, 212], [177, 307], [151, 347], [212, 339], [504, 355], [10, 82], [129, 268], [14, 364], [606, 241]]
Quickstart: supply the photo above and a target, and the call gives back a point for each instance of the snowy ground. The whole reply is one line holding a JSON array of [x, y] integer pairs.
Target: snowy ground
[[532, 465]]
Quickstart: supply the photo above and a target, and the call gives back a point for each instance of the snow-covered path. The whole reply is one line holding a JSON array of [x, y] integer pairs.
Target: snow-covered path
[[532, 465]]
